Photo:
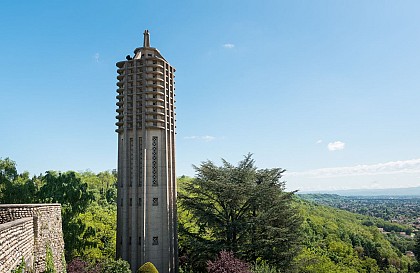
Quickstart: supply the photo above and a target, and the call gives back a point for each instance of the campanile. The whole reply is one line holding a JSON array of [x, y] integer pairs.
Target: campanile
[[146, 224]]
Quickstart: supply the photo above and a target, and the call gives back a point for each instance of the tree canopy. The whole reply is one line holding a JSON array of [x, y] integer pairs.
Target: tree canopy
[[87, 201], [241, 209]]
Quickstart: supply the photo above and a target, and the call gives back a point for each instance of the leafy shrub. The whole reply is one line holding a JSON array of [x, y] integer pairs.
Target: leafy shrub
[[63, 263], [182, 270], [147, 268], [49, 261], [78, 265], [263, 267], [20, 268], [227, 263], [118, 266]]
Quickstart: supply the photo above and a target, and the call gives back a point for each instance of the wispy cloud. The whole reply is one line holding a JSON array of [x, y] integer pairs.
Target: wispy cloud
[[96, 57], [336, 146], [319, 141], [229, 46], [202, 138], [392, 167]]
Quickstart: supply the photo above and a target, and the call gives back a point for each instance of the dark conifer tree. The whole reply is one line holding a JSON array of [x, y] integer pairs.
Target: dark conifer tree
[[241, 209]]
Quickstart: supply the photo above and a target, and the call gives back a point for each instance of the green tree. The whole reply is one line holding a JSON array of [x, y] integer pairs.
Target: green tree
[[87, 200], [416, 249], [99, 234], [99, 219], [109, 186], [8, 174], [74, 197], [8, 170], [66, 189], [21, 190], [16, 188], [241, 209], [339, 241]]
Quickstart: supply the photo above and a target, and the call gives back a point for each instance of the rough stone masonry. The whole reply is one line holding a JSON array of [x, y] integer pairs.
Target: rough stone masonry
[[26, 231]]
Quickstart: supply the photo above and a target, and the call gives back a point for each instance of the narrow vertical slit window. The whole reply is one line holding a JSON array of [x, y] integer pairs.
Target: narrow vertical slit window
[[131, 162], [140, 161]]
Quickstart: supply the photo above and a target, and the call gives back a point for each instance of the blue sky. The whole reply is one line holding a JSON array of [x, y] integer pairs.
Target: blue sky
[[328, 90]]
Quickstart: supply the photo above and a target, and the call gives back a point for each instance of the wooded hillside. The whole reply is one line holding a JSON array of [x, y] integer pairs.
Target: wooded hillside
[[325, 239]]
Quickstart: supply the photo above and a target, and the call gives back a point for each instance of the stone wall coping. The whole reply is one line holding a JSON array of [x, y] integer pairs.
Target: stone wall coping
[[15, 222], [28, 205]]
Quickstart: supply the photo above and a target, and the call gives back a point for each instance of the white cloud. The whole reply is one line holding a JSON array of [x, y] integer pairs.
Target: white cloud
[[202, 138], [208, 138], [229, 46], [393, 167], [96, 57], [336, 146], [319, 141]]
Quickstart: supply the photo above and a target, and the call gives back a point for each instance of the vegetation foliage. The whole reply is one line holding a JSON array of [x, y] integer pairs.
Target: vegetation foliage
[[338, 241], [227, 263], [78, 265], [147, 268], [392, 213], [118, 266], [20, 268], [88, 206], [49, 261], [241, 209]]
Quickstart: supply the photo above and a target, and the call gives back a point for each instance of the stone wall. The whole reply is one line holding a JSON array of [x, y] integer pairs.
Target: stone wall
[[16, 241], [30, 230]]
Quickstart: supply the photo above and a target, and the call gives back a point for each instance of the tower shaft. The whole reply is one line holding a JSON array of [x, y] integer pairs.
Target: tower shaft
[[146, 209]]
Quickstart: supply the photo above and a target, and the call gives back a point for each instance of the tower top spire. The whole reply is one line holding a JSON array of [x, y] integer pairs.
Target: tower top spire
[[146, 41], [146, 48]]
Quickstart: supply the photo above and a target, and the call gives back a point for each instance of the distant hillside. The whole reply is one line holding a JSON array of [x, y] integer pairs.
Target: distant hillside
[[339, 241], [414, 191], [398, 209]]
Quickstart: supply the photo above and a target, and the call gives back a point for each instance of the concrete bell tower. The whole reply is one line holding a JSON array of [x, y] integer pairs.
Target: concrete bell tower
[[147, 221]]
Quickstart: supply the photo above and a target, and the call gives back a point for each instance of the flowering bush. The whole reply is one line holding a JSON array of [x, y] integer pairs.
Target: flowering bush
[[77, 265], [227, 263]]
